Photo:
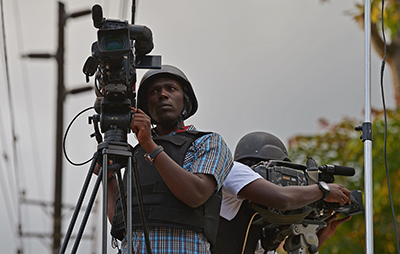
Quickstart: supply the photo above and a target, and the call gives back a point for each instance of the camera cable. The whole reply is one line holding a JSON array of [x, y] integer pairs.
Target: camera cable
[[385, 118], [247, 231], [65, 137]]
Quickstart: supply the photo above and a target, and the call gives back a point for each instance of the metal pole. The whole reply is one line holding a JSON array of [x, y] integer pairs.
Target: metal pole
[[59, 130], [369, 241], [61, 93]]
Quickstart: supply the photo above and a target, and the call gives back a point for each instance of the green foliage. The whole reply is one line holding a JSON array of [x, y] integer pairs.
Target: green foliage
[[340, 144], [391, 15]]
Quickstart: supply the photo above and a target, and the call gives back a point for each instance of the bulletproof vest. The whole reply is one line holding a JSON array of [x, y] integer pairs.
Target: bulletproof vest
[[231, 234], [161, 207]]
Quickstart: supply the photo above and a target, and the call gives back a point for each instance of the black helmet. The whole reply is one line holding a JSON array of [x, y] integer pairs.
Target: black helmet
[[261, 146], [190, 105]]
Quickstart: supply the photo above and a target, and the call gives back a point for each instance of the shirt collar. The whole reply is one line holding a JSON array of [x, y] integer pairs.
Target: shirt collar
[[185, 128]]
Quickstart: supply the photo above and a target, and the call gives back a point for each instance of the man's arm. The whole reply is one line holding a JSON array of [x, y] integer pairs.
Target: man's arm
[[112, 192], [271, 195], [192, 189]]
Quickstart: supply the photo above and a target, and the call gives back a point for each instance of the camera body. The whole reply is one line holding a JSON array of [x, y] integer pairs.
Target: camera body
[[277, 225], [120, 49]]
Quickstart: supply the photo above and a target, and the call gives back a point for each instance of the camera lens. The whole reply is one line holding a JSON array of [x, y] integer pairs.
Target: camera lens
[[114, 42]]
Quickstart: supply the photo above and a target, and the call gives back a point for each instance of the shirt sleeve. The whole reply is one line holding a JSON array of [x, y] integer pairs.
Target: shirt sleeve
[[209, 154], [239, 176]]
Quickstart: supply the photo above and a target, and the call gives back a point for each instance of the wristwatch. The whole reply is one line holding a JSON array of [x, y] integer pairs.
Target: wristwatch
[[324, 187], [150, 157]]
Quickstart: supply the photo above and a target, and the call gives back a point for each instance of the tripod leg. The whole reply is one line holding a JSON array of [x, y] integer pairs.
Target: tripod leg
[[129, 227], [127, 204], [121, 192], [79, 204], [105, 201], [140, 202], [87, 213]]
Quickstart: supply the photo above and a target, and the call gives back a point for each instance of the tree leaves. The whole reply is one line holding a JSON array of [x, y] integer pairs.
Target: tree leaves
[[340, 144]]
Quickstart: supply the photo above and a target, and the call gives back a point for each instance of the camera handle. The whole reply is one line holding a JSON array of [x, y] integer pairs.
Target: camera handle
[[312, 171], [303, 238]]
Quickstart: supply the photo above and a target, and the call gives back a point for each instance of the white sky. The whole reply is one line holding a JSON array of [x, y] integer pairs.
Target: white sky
[[275, 66]]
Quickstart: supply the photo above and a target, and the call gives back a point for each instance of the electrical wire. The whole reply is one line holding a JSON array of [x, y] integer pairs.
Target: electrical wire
[[385, 117], [12, 121], [7, 206], [6, 154], [30, 115], [6, 193], [5, 190]]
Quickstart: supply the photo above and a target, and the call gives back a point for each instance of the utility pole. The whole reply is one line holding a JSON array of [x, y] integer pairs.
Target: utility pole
[[59, 129], [61, 94]]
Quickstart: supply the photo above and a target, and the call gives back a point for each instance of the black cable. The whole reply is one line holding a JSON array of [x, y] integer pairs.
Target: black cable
[[385, 117], [65, 137]]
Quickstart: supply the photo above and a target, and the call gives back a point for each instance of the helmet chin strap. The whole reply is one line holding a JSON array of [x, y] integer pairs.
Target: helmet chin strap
[[176, 123], [182, 116], [180, 120]]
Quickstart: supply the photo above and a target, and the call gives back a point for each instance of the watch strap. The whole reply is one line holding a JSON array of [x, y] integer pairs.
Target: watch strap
[[324, 190], [151, 156]]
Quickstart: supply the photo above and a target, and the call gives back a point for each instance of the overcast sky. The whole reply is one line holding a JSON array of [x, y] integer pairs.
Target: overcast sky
[[276, 66]]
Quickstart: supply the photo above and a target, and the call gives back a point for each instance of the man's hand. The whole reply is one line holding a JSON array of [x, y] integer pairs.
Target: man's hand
[[96, 169], [338, 194], [330, 229], [141, 126]]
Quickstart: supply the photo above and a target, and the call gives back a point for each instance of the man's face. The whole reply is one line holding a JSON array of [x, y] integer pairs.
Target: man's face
[[165, 100]]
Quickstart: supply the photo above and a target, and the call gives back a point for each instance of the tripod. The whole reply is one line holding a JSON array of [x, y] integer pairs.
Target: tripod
[[115, 148]]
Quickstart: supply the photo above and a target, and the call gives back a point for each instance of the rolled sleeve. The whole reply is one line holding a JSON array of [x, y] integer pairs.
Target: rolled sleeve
[[209, 154]]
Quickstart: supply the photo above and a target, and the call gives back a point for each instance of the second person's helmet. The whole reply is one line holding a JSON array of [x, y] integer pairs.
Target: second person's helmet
[[260, 146]]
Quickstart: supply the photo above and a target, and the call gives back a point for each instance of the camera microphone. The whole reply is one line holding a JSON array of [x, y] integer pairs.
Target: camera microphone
[[337, 170], [97, 16]]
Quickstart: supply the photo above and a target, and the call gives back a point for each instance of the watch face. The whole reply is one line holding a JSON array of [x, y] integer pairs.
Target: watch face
[[324, 185]]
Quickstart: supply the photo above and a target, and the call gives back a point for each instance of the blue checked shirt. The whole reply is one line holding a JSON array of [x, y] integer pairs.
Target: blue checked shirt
[[208, 154]]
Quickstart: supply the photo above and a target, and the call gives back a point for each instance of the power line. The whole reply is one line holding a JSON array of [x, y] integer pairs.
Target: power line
[[39, 174], [6, 194], [63, 16], [12, 121], [32, 131]]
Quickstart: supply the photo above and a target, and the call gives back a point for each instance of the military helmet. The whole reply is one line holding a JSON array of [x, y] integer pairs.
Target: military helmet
[[261, 146]]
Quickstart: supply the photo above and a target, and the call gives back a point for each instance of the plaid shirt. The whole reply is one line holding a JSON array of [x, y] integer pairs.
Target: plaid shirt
[[208, 154]]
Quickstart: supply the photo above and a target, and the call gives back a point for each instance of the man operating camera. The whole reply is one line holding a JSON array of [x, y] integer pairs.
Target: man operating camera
[[243, 186], [181, 170]]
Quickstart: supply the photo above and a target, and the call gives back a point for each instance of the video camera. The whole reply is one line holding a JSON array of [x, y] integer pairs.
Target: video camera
[[120, 49], [299, 226]]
